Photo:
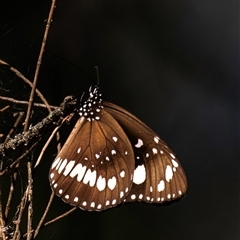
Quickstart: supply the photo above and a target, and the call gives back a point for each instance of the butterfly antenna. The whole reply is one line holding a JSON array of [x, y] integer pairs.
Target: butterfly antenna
[[96, 67], [79, 69]]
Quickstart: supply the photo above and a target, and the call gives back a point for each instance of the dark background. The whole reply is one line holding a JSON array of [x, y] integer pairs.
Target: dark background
[[175, 65]]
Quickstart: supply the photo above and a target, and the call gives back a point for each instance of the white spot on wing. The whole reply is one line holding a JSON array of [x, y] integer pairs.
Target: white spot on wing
[[140, 196], [99, 206], [84, 203], [114, 201], [90, 177], [156, 139], [168, 173], [115, 139], [79, 170], [139, 175], [133, 196], [113, 152], [172, 156], [112, 182], [101, 183], [59, 163], [75, 199], [154, 150], [139, 143], [60, 191], [122, 174], [79, 150], [175, 164], [62, 166], [67, 196], [92, 204], [55, 162], [107, 202], [161, 186], [121, 194], [51, 175], [68, 168]]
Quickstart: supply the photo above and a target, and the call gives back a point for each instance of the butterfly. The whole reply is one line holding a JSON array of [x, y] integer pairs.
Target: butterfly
[[112, 157]]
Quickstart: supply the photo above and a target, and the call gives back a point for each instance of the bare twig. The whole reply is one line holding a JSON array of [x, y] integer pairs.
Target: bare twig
[[2, 222], [47, 143], [20, 75], [18, 120], [10, 194], [30, 202], [39, 63], [20, 213], [44, 215], [12, 100], [17, 161], [59, 217], [5, 108]]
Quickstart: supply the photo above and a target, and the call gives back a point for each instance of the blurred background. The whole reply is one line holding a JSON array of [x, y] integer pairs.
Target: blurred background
[[175, 65]]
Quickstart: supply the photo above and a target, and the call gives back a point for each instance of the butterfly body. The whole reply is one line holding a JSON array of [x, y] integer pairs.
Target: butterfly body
[[112, 157]]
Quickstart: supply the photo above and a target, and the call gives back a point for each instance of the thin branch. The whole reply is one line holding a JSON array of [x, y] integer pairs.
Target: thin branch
[[39, 64], [30, 201], [21, 209], [59, 217], [2, 222], [4, 108], [43, 216], [10, 195], [20, 75], [17, 161], [12, 100], [18, 120], [46, 144]]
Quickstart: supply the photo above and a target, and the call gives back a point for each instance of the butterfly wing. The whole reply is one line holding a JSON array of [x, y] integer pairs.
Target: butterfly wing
[[158, 175], [94, 169]]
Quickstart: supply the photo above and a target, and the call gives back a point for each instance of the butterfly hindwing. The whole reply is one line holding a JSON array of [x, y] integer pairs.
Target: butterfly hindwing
[[158, 175], [95, 172]]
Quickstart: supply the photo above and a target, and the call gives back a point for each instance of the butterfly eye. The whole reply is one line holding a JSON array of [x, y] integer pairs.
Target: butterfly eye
[[112, 157]]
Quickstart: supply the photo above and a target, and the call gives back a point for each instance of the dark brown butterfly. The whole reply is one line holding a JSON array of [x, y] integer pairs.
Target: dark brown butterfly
[[112, 157]]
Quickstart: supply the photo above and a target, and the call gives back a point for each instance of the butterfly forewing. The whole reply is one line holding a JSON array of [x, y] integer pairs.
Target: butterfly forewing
[[95, 167], [158, 175]]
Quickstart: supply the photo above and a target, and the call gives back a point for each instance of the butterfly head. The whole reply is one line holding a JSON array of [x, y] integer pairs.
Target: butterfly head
[[91, 108]]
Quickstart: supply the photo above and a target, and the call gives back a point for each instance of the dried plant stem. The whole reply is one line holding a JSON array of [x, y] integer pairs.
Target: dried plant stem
[[12, 100], [10, 195], [47, 143], [39, 63], [20, 75], [17, 161], [14, 176], [30, 202], [60, 216], [20, 213], [18, 120], [2, 222], [5, 108], [44, 215]]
